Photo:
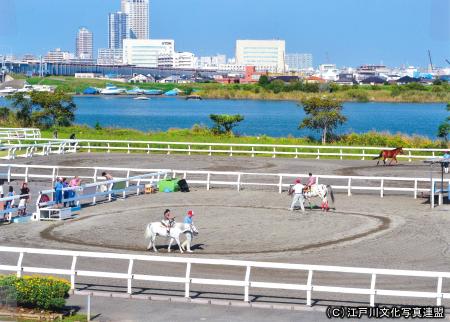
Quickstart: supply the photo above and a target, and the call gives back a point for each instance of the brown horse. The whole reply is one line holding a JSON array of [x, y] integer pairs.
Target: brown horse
[[389, 154]]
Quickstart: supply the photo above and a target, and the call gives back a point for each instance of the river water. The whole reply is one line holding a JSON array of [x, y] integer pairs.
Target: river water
[[272, 118]]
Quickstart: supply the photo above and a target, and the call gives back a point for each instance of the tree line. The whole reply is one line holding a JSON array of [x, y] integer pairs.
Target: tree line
[[40, 109]]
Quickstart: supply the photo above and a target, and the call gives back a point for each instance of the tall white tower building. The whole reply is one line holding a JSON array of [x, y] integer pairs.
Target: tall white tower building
[[138, 18], [85, 44]]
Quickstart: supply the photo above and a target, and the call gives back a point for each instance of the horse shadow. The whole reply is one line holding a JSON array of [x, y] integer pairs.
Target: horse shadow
[[175, 247]]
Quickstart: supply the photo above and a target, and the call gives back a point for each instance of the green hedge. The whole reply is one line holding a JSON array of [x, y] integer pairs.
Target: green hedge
[[45, 293]]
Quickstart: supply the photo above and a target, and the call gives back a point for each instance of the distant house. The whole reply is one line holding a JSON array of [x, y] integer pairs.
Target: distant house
[[315, 80], [346, 79], [139, 78], [286, 79], [373, 80]]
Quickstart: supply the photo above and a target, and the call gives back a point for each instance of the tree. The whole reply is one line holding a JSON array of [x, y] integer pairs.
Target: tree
[[263, 80], [323, 115], [24, 108], [225, 123], [444, 128], [4, 114], [53, 109]]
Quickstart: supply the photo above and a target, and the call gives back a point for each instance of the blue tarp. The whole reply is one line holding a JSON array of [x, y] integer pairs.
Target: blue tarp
[[171, 93], [90, 91]]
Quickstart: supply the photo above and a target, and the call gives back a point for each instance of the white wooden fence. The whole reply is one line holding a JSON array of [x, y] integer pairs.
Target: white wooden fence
[[237, 180], [246, 282], [29, 150], [19, 133], [231, 149]]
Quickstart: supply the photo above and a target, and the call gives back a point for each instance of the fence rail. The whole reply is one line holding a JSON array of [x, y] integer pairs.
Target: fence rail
[[246, 282], [19, 133], [274, 150], [237, 180]]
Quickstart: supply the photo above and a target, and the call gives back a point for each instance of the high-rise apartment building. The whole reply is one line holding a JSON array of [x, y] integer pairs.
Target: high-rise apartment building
[[263, 54], [118, 29], [138, 18], [85, 44], [297, 62]]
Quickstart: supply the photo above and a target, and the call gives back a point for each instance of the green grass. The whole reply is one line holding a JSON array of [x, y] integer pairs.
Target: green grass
[[382, 93]]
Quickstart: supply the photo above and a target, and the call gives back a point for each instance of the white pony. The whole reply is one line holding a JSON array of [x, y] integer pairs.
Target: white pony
[[321, 191], [157, 229]]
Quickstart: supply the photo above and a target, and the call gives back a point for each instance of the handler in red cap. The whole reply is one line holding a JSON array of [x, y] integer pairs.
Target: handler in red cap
[[297, 191], [188, 218]]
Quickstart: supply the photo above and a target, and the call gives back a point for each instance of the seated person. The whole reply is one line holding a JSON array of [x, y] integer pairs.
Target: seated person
[[168, 221]]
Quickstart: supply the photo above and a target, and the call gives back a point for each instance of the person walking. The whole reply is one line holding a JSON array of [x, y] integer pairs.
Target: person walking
[[446, 157], [188, 219], [297, 191]]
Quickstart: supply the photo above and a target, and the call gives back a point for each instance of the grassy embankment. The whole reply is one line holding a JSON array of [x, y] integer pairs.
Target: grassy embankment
[[381, 93], [204, 135]]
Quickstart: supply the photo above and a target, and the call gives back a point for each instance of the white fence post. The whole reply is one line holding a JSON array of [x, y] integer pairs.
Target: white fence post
[[208, 181], [19, 264], [239, 182], [439, 294], [130, 276], [280, 184], [247, 284], [309, 288], [415, 189], [382, 188], [72, 273], [188, 280], [372, 289], [349, 187]]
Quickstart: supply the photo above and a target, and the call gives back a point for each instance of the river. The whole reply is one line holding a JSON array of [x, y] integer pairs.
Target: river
[[272, 118]]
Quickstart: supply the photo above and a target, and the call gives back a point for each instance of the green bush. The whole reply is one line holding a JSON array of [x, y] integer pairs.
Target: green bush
[[45, 293]]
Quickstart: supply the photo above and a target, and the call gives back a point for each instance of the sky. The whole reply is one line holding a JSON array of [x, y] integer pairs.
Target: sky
[[345, 32]]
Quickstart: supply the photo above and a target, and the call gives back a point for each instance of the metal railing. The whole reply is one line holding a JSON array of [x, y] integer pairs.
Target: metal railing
[[91, 190], [246, 282], [10, 210], [237, 180], [231, 149]]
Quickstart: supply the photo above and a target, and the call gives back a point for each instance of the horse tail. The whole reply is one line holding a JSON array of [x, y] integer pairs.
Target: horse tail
[[331, 192], [378, 157], [148, 232]]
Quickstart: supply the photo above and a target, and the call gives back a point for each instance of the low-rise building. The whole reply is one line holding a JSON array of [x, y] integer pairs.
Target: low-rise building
[[110, 56], [146, 52], [58, 56]]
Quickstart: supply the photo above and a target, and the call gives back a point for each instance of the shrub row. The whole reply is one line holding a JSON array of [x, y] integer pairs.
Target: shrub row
[[45, 293]]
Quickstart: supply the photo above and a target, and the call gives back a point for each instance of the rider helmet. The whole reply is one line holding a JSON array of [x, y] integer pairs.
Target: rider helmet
[[190, 213]]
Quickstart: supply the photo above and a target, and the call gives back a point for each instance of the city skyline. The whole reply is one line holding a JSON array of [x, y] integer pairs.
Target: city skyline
[[348, 33]]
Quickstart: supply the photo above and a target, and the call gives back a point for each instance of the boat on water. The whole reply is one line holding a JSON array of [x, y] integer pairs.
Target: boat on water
[[141, 98], [194, 97], [135, 91], [112, 90], [7, 91], [153, 92]]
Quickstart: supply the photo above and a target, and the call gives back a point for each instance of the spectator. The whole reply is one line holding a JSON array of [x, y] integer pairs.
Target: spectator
[[72, 137], [55, 134], [107, 176], [11, 193], [446, 157], [58, 192], [66, 193], [2, 193], [25, 196], [75, 182]]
